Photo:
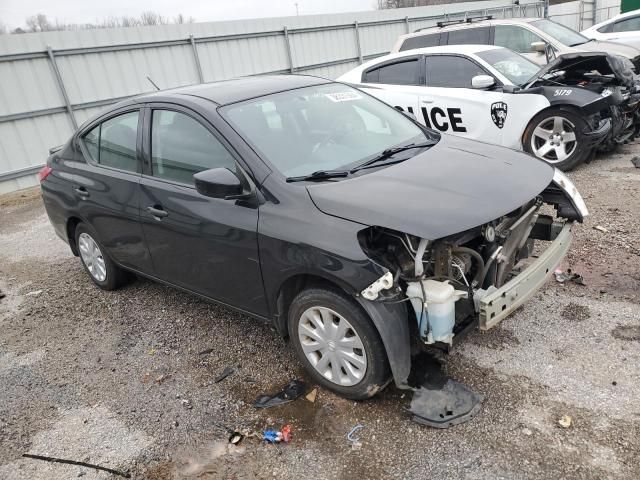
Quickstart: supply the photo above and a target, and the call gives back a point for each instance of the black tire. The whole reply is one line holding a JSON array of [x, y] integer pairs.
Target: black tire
[[377, 373], [578, 154], [115, 276]]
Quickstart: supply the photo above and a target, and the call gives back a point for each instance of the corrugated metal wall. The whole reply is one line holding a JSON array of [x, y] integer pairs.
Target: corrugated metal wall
[[98, 67]]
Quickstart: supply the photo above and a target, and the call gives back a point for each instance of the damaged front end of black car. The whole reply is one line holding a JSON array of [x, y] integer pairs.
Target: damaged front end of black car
[[611, 77]]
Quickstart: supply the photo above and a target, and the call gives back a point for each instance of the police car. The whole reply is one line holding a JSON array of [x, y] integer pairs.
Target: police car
[[491, 94]]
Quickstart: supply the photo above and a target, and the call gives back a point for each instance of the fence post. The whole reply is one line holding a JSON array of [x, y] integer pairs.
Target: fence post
[[288, 44], [406, 24], [196, 58], [52, 58], [358, 48]]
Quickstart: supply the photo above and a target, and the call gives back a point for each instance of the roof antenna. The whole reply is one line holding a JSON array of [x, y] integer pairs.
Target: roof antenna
[[152, 83]]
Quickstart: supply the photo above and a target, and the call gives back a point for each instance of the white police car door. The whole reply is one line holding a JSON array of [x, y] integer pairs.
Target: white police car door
[[449, 104]]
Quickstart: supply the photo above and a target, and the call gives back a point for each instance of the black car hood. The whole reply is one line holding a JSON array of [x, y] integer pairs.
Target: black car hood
[[603, 63], [456, 185]]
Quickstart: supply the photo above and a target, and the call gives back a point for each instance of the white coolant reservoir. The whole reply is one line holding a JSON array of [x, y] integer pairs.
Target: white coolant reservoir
[[436, 315]]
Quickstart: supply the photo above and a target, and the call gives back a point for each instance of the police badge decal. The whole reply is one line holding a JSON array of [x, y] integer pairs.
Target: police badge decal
[[499, 113]]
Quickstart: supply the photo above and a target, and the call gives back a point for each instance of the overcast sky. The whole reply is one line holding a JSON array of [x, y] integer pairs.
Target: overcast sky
[[13, 12]]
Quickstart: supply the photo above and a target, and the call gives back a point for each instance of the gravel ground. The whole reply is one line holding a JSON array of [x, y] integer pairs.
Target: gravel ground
[[125, 379]]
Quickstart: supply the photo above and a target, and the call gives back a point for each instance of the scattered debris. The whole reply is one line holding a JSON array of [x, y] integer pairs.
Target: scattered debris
[[565, 421], [527, 432], [186, 403], [35, 293], [311, 396], [290, 392], [568, 276], [601, 229], [151, 351], [206, 352], [236, 438], [439, 401], [275, 436], [225, 373], [636, 161], [350, 436], [2, 295], [160, 379], [80, 464]]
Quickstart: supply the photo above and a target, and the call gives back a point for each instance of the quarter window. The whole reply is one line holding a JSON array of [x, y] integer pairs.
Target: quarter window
[[181, 147], [421, 41], [469, 36], [399, 73], [113, 142], [515, 38], [452, 72]]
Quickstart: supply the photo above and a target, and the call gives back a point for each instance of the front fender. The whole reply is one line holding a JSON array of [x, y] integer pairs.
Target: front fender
[[390, 319], [587, 101]]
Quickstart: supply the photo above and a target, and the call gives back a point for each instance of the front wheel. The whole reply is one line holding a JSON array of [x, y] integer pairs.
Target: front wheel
[[338, 344], [557, 137]]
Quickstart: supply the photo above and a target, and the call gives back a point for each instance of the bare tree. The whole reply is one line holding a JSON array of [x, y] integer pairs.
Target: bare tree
[[39, 23], [3, 28]]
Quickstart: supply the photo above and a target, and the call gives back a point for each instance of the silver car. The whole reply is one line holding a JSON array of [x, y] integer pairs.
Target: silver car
[[539, 39]]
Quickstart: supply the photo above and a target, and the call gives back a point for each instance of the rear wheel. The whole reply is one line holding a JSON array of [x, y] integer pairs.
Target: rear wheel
[[557, 137], [338, 344], [102, 270]]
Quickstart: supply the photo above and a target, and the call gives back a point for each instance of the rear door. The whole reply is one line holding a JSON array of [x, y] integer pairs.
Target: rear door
[[106, 185], [206, 245], [398, 82], [450, 105]]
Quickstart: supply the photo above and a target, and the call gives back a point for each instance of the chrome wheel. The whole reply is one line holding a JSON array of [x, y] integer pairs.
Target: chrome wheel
[[332, 346], [554, 139], [92, 257]]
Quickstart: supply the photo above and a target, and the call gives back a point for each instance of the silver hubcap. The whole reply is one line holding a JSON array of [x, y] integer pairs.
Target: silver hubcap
[[92, 257], [332, 346], [554, 139]]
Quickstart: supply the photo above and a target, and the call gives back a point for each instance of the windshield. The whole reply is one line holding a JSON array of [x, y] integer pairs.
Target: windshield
[[324, 127], [513, 66], [561, 33]]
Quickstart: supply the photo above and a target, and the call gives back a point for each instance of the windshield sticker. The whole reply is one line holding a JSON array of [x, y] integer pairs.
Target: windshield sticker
[[343, 96]]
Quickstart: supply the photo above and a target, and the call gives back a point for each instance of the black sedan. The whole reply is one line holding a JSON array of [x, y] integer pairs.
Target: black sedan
[[360, 234]]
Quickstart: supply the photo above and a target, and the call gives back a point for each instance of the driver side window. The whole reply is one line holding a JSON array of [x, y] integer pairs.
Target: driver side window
[[449, 71], [627, 25], [515, 38]]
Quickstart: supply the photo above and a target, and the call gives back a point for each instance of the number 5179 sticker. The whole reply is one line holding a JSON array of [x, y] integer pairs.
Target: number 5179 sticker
[[562, 92]]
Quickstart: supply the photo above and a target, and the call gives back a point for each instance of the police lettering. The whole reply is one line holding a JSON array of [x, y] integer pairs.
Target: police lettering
[[437, 118]]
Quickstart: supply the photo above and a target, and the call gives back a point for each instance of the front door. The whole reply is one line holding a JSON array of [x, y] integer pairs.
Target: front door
[[519, 39], [204, 244]]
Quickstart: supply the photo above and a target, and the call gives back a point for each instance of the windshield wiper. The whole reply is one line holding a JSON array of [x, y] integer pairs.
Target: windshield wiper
[[319, 175], [390, 152]]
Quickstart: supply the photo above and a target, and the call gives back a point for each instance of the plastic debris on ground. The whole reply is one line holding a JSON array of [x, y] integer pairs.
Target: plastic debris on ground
[[311, 396], [440, 401], [355, 442], [565, 421], [278, 436], [601, 229], [235, 438], [225, 373], [291, 391], [636, 162], [568, 276]]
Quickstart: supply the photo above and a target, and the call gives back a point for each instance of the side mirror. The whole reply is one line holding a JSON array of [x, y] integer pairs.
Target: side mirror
[[539, 47], [218, 183], [482, 81]]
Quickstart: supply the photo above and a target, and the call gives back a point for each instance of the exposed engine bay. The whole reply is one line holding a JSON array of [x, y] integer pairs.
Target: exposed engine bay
[[607, 75], [445, 280]]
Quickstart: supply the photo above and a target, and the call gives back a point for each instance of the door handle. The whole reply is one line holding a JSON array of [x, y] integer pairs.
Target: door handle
[[81, 192], [427, 101], [158, 213]]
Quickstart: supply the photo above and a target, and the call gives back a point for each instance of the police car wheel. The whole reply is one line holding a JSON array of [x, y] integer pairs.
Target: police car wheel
[[556, 136]]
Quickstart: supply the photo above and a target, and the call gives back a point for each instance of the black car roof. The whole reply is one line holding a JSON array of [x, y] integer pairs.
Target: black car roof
[[239, 89]]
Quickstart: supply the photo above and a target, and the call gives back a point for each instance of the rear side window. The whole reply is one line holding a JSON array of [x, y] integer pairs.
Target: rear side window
[[400, 73], [469, 36], [515, 38], [627, 25], [421, 41], [451, 72], [181, 147], [608, 28], [113, 142]]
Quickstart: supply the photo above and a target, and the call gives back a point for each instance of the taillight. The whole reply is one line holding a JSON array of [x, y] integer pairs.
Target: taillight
[[44, 173]]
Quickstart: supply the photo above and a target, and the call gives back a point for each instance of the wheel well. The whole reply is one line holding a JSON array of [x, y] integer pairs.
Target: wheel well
[[288, 291], [72, 223]]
